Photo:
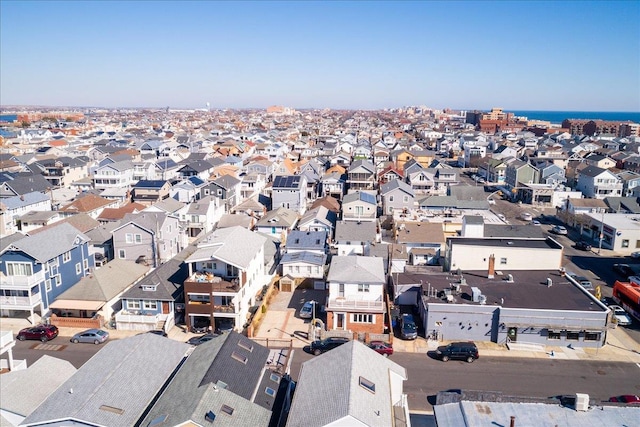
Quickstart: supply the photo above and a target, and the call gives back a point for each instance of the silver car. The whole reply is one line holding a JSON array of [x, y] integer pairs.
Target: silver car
[[95, 336]]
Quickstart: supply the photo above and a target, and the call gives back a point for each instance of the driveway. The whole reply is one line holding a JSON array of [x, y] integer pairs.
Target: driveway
[[281, 321]]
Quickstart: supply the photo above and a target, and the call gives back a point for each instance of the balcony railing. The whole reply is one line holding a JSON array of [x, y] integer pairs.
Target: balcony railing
[[6, 338], [20, 303], [23, 283], [345, 304], [129, 317], [215, 283], [224, 308]]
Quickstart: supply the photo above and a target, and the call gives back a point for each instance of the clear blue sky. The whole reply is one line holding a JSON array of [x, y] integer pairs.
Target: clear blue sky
[[573, 55]]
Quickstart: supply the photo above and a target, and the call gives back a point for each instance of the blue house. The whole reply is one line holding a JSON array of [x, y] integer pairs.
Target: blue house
[[35, 269]]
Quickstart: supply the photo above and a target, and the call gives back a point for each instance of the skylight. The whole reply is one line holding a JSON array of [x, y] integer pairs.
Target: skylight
[[240, 358], [271, 392], [246, 346], [227, 410], [365, 383], [158, 420]]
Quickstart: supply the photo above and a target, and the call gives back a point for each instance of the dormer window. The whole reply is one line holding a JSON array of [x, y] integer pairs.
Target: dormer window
[[149, 288]]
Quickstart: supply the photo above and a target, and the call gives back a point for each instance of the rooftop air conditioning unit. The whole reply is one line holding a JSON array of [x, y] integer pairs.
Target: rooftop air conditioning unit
[[582, 402]]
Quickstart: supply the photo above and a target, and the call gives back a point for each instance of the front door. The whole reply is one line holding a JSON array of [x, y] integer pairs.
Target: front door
[[165, 307], [339, 320], [512, 334]]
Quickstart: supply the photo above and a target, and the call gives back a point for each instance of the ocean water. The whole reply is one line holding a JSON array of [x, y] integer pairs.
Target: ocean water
[[559, 116], [8, 117]]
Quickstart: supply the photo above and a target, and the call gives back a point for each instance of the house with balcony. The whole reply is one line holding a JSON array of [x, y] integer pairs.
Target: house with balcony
[[306, 254], [332, 184], [202, 215], [12, 208], [113, 175], [62, 171], [150, 238], [356, 300], [595, 182], [34, 272], [200, 168], [96, 298], [157, 300], [361, 175], [226, 275]]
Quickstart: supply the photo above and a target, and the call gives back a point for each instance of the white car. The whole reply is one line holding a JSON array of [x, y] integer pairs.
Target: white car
[[526, 216], [559, 229], [635, 255], [306, 312], [621, 316]]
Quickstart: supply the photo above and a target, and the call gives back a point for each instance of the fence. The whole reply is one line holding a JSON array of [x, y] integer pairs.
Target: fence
[[75, 322]]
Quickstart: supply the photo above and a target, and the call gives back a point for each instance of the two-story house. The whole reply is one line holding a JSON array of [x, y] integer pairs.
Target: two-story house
[[12, 208], [226, 272], [595, 182], [227, 188], [34, 270], [290, 192], [361, 175], [356, 300], [396, 196], [277, 223], [355, 238], [202, 215], [62, 171], [148, 192], [113, 175], [305, 254], [149, 238]]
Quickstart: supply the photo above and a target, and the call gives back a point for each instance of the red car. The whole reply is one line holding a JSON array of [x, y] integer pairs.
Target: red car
[[43, 333], [381, 347], [629, 399]]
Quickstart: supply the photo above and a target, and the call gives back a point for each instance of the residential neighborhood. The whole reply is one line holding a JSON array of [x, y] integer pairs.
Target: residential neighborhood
[[196, 238]]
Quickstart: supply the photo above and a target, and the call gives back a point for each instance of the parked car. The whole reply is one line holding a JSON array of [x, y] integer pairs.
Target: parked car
[[95, 336], [623, 270], [635, 255], [584, 282], [381, 347], [536, 222], [408, 329], [459, 351], [621, 316], [583, 246], [201, 339], [559, 229], [42, 333], [306, 312], [321, 346], [629, 399], [526, 216]]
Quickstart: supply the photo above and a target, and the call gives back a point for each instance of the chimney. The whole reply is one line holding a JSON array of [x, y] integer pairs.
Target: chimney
[[492, 267], [512, 423]]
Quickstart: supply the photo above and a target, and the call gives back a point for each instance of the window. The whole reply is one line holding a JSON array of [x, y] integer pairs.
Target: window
[[239, 357], [78, 268], [553, 335], [227, 410], [150, 305], [121, 253], [362, 318], [58, 280], [625, 243], [19, 269], [572, 335], [503, 261], [66, 257], [368, 385], [133, 305], [138, 238], [128, 238], [391, 198], [85, 264], [245, 345], [274, 378], [271, 392], [363, 287], [47, 285], [592, 336]]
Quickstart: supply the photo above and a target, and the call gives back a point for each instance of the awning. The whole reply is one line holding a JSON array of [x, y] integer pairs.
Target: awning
[[71, 304]]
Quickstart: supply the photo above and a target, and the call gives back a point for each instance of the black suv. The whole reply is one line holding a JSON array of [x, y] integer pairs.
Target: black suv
[[458, 350], [408, 329], [583, 246], [320, 346]]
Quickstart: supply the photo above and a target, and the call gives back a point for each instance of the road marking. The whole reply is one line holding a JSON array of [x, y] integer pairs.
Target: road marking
[[48, 347]]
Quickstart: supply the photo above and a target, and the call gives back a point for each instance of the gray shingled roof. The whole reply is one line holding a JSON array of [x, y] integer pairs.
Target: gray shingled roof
[[233, 245], [22, 391], [321, 399], [192, 389], [356, 269], [39, 245], [355, 231], [126, 374], [106, 282], [24, 200]]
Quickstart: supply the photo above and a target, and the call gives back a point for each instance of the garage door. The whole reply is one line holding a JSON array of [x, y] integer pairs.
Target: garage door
[[285, 286], [319, 285], [408, 298]]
